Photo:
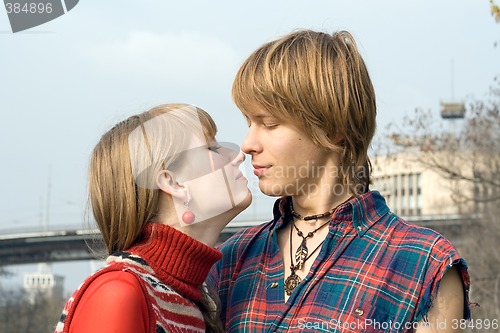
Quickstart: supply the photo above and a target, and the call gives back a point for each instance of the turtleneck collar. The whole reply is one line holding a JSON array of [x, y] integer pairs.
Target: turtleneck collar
[[177, 259]]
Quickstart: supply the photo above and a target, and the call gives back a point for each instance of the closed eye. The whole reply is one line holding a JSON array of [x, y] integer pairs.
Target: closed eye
[[214, 148]]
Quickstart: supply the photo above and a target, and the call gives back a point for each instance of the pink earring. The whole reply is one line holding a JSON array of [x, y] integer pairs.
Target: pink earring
[[188, 216]]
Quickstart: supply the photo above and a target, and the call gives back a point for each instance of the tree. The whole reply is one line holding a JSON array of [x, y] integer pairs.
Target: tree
[[4, 272], [20, 313], [469, 157], [495, 11]]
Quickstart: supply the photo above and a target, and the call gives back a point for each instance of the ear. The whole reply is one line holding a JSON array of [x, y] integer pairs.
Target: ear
[[166, 182]]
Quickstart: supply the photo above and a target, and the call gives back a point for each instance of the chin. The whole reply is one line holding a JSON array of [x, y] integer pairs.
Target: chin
[[245, 203], [272, 190], [242, 205]]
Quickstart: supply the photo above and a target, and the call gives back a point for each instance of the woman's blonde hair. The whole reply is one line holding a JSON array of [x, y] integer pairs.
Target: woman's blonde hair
[[320, 84], [123, 196]]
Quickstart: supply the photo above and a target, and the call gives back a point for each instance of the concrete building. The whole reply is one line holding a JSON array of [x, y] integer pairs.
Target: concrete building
[[43, 282], [414, 186]]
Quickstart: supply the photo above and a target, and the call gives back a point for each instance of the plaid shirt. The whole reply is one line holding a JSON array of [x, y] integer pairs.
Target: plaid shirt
[[374, 273]]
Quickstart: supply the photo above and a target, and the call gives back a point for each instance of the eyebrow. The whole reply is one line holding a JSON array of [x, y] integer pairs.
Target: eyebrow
[[255, 112], [260, 115]]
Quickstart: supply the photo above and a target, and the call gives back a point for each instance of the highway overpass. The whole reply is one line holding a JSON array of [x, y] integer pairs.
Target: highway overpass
[[64, 243], [70, 243]]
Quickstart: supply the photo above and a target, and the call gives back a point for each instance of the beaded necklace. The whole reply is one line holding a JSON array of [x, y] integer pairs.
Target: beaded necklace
[[302, 252]]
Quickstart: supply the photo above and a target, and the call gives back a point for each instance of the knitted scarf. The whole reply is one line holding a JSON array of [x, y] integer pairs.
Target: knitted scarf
[[171, 268]]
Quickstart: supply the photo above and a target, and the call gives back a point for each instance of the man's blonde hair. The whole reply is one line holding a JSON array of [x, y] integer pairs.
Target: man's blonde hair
[[319, 83]]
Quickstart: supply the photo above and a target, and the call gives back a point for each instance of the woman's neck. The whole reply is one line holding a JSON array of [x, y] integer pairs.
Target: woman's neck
[[207, 231]]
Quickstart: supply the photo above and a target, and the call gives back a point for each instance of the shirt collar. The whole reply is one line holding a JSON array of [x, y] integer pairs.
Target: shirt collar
[[367, 209], [363, 211]]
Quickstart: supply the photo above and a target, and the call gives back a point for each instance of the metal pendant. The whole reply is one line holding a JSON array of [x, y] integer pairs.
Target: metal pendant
[[301, 254], [291, 283]]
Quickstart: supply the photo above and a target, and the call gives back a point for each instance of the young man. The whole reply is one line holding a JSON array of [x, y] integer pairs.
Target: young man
[[334, 258]]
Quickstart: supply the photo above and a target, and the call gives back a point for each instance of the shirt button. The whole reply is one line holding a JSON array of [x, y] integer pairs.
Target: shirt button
[[359, 311], [360, 228], [273, 285]]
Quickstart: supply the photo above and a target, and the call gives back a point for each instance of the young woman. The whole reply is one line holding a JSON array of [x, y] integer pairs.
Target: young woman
[[334, 257], [161, 189]]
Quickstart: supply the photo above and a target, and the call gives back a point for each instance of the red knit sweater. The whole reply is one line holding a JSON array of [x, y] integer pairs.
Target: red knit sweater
[[150, 288]]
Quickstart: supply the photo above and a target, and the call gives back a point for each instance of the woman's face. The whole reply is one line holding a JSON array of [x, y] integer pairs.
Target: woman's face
[[204, 174], [210, 173]]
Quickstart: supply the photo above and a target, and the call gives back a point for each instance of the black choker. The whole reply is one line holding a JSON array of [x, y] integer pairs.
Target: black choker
[[317, 216], [312, 217], [302, 252]]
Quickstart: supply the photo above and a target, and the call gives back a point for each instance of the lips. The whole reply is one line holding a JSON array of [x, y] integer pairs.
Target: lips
[[259, 170]]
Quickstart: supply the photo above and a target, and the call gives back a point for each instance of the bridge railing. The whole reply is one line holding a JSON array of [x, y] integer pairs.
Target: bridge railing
[[65, 229], [69, 242]]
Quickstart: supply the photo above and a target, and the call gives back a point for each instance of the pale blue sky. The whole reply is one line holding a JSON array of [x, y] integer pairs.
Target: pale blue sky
[[66, 82]]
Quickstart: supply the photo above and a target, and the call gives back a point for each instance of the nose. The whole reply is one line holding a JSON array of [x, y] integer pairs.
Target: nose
[[250, 144]]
